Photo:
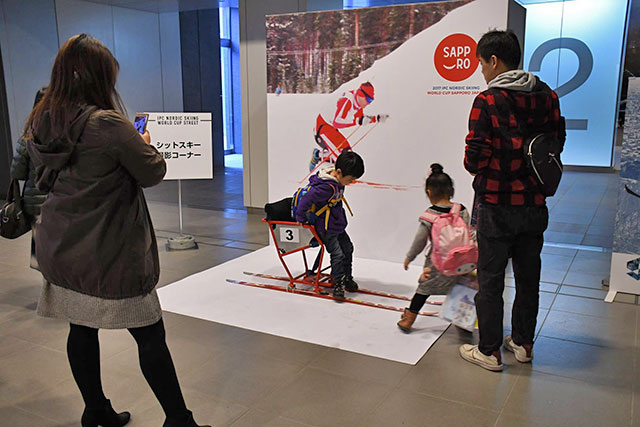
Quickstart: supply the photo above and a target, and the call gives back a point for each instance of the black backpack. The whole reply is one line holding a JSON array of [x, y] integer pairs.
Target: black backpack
[[542, 154]]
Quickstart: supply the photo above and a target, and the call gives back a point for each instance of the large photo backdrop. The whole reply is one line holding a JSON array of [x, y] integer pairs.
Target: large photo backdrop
[[421, 65], [417, 64]]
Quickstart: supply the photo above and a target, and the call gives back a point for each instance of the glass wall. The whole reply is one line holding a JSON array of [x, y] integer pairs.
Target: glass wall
[[226, 75], [576, 46]]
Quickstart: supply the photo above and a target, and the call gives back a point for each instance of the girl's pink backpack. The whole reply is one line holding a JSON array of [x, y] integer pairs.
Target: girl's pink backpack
[[454, 252]]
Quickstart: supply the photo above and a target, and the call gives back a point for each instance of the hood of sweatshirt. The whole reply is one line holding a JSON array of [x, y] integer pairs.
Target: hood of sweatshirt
[[514, 80], [51, 153], [326, 174]]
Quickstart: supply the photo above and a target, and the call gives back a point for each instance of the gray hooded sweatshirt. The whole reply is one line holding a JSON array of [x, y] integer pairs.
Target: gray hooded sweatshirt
[[514, 80]]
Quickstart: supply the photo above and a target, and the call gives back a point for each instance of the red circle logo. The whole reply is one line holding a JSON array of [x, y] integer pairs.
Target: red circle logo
[[455, 57]]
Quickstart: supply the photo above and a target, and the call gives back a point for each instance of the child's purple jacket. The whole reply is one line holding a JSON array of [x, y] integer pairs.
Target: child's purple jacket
[[323, 188]]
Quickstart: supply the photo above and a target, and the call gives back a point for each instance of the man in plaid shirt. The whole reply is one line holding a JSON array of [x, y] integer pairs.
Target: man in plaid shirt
[[512, 214]]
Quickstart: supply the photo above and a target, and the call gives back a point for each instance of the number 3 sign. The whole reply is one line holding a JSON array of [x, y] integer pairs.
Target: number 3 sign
[[289, 235]]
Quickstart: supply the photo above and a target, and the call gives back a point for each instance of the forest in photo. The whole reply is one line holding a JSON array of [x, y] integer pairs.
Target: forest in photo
[[318, 52]]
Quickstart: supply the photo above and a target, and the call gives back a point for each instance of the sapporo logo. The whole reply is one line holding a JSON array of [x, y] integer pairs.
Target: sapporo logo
[[455, 57]]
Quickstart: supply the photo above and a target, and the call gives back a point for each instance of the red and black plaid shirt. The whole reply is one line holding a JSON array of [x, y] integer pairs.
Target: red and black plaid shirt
[[494, 150]]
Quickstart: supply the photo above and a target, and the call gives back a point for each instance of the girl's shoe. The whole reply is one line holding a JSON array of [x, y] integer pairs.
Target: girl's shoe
[[406, 320], [105, 417]]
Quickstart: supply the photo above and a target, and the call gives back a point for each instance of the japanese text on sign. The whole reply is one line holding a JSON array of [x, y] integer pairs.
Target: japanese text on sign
[[184, 141]]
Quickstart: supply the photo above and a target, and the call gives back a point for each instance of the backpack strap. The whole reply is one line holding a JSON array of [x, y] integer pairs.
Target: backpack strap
[[455, 210], [297, 194], [326, 209], [344, 199], [429, 217]]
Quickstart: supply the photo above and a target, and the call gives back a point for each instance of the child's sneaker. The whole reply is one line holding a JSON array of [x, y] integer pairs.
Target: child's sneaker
[[472, 354], [351, 285], [338, 288], [523, 353]]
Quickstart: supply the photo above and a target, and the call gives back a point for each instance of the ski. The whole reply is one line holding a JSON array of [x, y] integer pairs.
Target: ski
[[324, 296], [360, 290]]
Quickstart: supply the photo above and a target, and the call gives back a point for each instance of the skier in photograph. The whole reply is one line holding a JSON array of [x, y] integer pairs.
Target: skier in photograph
[[348, 112]]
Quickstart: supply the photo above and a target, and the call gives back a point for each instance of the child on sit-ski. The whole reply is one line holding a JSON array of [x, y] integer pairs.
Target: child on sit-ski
[[439, 189], [322, 206]]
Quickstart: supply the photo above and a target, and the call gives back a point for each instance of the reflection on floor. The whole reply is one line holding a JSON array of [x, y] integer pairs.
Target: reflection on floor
[[583, 211], [224, 191], [585, 370]]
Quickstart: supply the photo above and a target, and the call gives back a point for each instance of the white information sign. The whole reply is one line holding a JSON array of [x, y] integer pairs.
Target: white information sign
[[184, 140]]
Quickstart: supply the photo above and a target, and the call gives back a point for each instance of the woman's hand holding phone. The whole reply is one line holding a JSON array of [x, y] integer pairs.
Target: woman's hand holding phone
[[146, 136]]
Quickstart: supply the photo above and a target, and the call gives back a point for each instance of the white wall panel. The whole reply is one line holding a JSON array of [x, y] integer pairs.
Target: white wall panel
[[75, 17], [29, 46], [253, 59], [137, 48], [171, 61]]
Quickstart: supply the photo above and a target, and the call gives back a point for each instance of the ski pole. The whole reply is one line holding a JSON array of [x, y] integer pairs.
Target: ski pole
[[363, 136]]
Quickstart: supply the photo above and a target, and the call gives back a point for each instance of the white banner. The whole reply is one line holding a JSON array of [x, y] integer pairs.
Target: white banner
[[184, 140], [426, 86]]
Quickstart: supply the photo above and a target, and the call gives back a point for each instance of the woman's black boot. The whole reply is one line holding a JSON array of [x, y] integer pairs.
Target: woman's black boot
[[104, 417], [185, 422]]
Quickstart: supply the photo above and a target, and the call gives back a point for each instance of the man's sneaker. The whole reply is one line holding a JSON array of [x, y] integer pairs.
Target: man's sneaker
[[351, 285], [523, 353], [338, 288], [470, 353]]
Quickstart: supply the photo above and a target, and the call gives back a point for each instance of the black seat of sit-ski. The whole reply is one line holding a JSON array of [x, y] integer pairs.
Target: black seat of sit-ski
[[280, 210]]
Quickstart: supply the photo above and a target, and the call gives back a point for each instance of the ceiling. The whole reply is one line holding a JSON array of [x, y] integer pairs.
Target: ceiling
[[161, 5]]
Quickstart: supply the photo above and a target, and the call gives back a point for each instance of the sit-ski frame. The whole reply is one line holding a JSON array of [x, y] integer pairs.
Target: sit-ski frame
[[317, 280]]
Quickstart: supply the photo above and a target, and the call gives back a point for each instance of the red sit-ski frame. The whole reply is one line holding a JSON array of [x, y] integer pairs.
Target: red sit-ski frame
[[316, 280]]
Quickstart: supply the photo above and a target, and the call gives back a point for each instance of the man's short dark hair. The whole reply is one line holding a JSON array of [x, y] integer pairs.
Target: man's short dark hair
[[350, 164], [503, 44]]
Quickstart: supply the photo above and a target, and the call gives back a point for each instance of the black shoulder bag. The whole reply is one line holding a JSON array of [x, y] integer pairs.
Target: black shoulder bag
[[13, 220], [542, 155]]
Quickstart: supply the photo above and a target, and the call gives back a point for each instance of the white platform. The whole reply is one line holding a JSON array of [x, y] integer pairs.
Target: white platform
[[365, 330]]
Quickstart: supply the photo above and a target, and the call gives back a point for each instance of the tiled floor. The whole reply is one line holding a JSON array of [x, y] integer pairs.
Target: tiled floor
[[224, 191], [585, 371]]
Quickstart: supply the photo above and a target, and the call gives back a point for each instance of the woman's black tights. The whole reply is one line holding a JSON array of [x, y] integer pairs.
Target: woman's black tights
[[157, 367]]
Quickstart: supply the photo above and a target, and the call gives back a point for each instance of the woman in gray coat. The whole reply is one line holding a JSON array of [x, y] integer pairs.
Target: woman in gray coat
[[95, 243]]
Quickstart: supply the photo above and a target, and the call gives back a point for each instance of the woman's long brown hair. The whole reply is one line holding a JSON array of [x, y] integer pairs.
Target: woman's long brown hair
[[84, 73]]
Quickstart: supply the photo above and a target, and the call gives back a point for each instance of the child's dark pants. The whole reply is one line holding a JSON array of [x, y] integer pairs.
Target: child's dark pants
[[340, 250]]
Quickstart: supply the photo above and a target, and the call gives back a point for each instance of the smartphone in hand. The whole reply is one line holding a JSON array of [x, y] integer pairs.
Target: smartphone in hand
[[140, 122]]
